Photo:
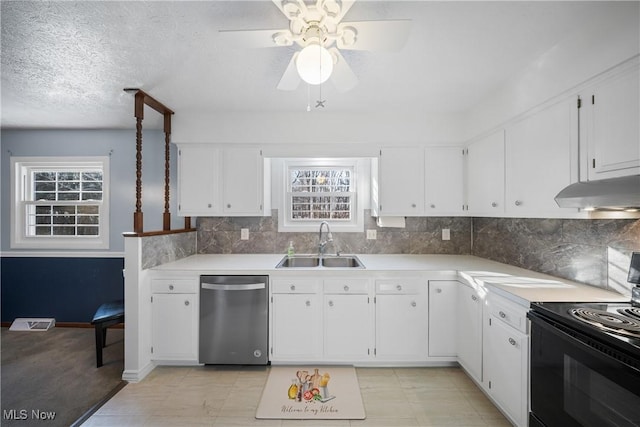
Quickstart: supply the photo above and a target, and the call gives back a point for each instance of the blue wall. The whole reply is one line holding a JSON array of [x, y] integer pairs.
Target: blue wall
[[67, 289], [70, 285]]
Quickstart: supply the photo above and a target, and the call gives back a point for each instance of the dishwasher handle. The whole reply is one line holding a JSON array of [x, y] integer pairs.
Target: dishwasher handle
[[231, 287]]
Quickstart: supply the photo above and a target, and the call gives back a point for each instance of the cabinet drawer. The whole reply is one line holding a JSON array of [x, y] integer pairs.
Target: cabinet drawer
[[295, 286], [400, 287], [174, 286], [346, 286], [508, 314]]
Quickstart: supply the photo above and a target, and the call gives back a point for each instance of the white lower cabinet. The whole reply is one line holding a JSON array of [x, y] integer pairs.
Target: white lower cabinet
[[443, 295], [174, 320], [401, 320], [506, 357], [348, 325], [296, 319], [469, 330]]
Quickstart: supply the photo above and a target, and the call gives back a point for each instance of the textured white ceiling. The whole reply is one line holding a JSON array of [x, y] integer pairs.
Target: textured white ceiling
[[65, 64]]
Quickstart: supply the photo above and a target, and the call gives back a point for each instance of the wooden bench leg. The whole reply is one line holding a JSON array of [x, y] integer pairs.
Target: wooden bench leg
[[100, 342]]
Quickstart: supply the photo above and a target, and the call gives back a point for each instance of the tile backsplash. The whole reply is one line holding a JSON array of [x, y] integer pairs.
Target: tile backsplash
[[594, 251]]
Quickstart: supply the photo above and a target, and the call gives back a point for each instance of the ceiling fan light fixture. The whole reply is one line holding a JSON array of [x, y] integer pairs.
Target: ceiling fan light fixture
[[314, 64]]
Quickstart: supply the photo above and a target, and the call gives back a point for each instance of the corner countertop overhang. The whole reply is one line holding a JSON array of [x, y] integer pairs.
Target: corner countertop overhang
[[517, 284]]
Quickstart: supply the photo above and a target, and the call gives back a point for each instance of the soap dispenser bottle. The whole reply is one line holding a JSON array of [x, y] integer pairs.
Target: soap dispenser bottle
[[290, 250]]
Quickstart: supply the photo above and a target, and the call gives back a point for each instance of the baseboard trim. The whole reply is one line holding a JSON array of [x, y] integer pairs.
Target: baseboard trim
[[135, 376], [70, 325]]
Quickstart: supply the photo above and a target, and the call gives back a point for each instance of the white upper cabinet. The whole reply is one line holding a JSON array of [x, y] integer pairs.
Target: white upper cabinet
[[399, 189], [444, 180], [242, 181], [198, 190], [610, 133], [541, 160], [485, 175], [220, 181]]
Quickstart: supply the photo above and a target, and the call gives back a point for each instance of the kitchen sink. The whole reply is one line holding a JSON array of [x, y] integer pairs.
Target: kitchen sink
[[342, 262], [299, 262], [311, 261]]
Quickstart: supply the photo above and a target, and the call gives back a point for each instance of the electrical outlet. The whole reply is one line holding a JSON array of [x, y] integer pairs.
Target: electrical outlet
[[446, 234], [372, 234], [244, 234]]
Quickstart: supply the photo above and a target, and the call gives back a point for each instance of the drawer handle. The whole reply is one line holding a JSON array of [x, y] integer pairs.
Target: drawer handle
[[346, 288], [413, 304], [512, 341], [502, 314], [292, 287], [170, 287], [186, 303], [330, 303], [399, 287], [473, 297], [308, 303]]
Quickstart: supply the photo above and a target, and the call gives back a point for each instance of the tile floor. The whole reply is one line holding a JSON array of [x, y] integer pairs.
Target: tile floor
[[224, 396]]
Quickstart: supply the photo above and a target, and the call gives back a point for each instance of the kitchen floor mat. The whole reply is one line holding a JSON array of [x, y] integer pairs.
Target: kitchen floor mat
[[313, 392]]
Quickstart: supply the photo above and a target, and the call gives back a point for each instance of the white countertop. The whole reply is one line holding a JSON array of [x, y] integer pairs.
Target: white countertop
[[518, 284]]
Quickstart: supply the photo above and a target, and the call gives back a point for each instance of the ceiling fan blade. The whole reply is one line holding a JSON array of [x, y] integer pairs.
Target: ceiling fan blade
[[290, 79], [342, 76], [374, 35], [256, 38]]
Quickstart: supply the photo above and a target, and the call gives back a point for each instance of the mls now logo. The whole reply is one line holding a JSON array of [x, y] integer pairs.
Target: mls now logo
[[23, 414]]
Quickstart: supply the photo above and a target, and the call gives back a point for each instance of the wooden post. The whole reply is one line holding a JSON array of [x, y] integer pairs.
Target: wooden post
[[139, 113], [166, 216]]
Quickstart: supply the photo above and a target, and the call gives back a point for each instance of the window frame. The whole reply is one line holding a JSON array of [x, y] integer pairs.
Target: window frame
[[21, 195], [355, 224]]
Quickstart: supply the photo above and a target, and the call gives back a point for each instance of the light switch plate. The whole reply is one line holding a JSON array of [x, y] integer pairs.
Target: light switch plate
[[372, 234], [244, 234], [446, 234]]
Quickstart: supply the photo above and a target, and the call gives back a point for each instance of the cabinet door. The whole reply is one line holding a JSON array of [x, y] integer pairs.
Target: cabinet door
[[401, 181], [174, 327], [347, 327], [469, 331], [485, 175], [297, 327], [401, 327], [505, 376], [242, 181], [198, 192], [613, 136], [539, 152], [443, 314], [444, 180]]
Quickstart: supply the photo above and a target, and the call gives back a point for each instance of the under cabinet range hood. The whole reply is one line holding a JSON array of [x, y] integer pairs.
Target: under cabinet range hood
[[613, 193]]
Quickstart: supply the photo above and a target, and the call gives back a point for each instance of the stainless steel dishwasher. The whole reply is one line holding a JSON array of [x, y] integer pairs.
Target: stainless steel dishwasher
[[234, 320]]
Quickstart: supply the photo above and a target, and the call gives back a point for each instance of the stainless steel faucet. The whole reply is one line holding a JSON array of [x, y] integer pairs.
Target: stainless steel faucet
[[322, 244]]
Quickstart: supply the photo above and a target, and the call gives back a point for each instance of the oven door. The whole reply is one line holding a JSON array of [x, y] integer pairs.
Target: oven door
[[575, 384]]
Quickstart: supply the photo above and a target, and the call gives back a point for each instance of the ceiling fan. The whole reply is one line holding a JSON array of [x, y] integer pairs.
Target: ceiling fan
[[317, 28]]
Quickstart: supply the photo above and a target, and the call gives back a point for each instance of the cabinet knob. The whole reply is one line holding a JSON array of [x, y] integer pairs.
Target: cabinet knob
[[330, 303], [494, 204], [346, 288], [473, 297], [307, 303], [399, 287], [512, 341], [438, 291], [502, 314], [292, 287], [186, 303], [518, 202], [209, 205], [228, 205], [170, 287], [413, 205], [413, 304], [432, 206]]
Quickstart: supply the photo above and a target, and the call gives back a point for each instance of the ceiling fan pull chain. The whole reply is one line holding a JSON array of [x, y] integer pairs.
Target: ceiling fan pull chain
[[308, 97]]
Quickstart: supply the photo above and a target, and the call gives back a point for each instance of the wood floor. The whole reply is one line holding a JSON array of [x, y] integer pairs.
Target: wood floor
[[223, 396]]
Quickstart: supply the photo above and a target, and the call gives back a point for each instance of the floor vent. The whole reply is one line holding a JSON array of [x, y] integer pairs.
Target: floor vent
[[32, 324]]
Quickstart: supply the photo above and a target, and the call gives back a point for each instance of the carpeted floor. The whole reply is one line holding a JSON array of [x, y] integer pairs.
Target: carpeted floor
[[53, 374]]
